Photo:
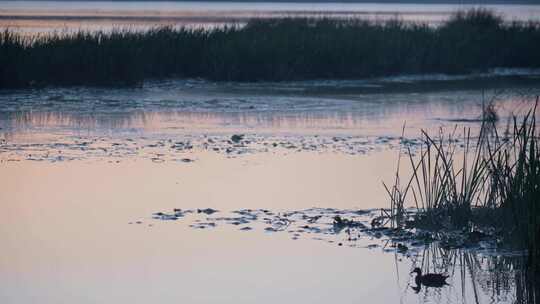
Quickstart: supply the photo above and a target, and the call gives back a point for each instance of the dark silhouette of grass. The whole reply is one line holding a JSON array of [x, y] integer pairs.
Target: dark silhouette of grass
[[270, 49], [492, 184]]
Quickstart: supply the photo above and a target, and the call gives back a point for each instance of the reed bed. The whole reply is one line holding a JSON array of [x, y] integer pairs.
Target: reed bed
[[270, 49], [491, 183]]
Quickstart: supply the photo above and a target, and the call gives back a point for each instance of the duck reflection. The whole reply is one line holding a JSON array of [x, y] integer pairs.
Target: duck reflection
[[429, 279], [487, 277]]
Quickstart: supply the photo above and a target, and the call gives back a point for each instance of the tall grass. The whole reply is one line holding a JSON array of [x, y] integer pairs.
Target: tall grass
[[495, 182], [515, 175], [446, 185], [270, 49]]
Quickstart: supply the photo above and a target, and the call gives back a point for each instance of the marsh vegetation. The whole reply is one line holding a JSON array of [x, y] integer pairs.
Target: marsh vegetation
[[270, 49], [486, 185]]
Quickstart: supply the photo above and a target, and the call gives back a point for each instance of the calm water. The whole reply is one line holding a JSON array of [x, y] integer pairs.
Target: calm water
[[82, 170], [45, 16]]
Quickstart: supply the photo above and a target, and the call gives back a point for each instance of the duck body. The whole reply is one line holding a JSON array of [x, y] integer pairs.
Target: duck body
[[429, 279]]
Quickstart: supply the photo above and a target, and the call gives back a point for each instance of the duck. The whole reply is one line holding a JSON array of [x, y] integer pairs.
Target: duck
[[429, 279]]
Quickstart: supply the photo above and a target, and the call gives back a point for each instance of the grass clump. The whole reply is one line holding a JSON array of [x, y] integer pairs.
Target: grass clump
[[492, 185], [270, 49], [447, 185]]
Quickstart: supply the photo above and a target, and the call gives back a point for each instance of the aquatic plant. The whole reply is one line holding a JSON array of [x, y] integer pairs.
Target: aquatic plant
[[495, 184], [444, 186], [489, 111], [397, 194], [515, 173], [270, 49]]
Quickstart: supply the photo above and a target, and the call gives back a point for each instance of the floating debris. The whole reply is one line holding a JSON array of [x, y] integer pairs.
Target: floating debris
[[208, 211], [163, 150], [236, 138], [203, 225], [402, 248], [335, 226]]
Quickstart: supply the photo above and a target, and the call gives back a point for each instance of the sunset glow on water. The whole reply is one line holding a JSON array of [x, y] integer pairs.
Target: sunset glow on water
[[192, 190]]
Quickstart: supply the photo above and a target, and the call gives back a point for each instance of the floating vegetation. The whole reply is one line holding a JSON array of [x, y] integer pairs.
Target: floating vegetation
[[352, 227], [182, 149]]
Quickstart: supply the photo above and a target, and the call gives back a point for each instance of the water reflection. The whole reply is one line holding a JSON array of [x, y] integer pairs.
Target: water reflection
[[362, 114], [469, 274], [475, 276], [260, 122], [66, 224]]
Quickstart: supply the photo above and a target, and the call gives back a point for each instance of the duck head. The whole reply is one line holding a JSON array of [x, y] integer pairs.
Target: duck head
[[418, 271], [417, 279]]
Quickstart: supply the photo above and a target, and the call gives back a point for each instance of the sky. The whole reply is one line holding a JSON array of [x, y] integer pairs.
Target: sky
[[342, 1]]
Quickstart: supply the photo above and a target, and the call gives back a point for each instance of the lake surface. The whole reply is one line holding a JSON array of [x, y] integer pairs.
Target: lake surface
[[84, 171], [45, 16], [100, 187]]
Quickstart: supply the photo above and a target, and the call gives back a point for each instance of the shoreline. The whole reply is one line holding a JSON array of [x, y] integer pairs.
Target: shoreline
[[282, 49]]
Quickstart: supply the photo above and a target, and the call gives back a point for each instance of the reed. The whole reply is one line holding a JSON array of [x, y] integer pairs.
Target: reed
[[270, 49], [494, 182], [446, 186], [515, 175]]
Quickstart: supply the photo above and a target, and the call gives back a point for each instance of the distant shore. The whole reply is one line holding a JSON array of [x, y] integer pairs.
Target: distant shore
[[275, 49]]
